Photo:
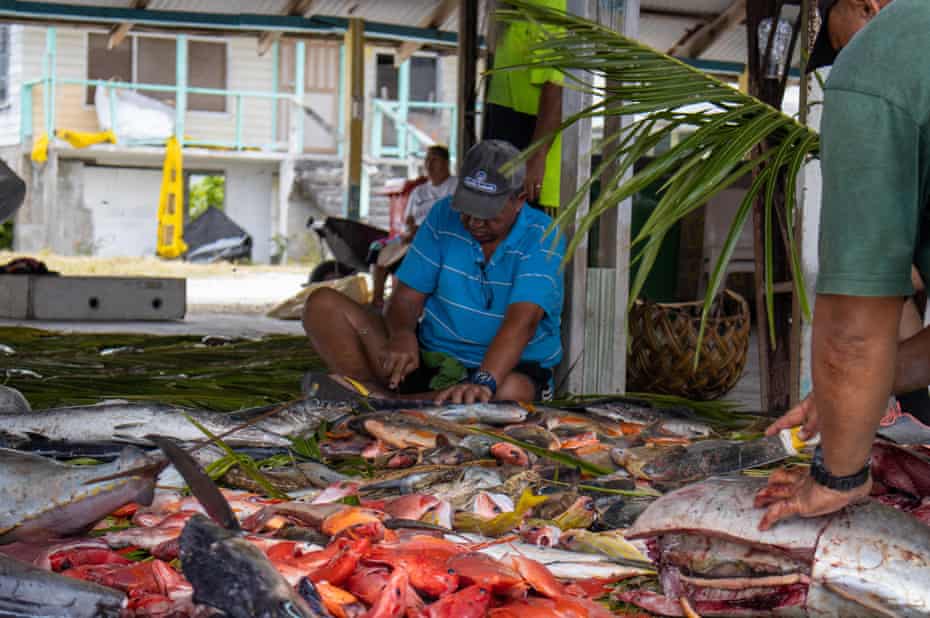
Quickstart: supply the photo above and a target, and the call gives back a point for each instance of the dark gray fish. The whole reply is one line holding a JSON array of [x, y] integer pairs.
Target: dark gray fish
[[12, 401], [619, 511], [232, 575], [26, 590]]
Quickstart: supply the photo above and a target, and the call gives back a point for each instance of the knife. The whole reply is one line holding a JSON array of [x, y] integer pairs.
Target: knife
[[711, 458]]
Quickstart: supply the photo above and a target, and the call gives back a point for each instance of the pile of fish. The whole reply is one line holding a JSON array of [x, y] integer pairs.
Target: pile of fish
[[416, 510]]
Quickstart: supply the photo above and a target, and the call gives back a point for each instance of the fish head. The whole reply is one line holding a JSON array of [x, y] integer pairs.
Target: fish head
[[540, 532], [510, 454], [580, 514], [229, 573]]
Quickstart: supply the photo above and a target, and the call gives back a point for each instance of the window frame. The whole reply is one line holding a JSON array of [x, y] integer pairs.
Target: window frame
[[133, 38]]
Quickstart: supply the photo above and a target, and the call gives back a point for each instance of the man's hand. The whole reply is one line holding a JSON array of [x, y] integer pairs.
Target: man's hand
[[804, 414], [464, 393], [400, 357], [535, 171], [792, 491]]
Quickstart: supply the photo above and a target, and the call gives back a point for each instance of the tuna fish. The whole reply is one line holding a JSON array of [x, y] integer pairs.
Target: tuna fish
[[868, 559], [41, 498], [26, 590], [132, 422]]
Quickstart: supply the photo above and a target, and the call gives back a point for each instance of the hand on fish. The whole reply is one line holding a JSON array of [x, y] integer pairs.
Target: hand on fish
[[400, 357], [803, 414], [792, 491], [464, 393]]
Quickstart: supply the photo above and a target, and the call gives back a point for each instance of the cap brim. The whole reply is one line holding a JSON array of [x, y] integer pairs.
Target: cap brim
[[823, 54], [476, 204]]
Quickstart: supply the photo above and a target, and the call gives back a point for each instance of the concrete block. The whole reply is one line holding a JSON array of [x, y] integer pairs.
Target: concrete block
[[14, 296], [92, 298]]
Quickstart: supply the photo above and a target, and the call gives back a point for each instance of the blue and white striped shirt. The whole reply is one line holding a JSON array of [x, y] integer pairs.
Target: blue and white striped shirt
[[467, 298]]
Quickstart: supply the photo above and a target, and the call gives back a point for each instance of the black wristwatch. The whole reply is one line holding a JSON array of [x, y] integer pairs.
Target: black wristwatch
[[838, 483], [484, 378]]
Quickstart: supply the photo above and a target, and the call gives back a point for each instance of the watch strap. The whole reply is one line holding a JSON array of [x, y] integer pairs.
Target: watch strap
[[823, 477], [484, 378]]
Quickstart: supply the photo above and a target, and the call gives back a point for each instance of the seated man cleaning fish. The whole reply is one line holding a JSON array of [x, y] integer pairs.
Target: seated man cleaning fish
[[477, 308]]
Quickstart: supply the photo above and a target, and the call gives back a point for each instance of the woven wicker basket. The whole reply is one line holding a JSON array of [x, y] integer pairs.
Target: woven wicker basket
[[663, 342]]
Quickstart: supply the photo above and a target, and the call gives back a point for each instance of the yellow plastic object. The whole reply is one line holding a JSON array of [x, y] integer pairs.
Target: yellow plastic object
[[79, 139], [40, 149], [171, 204]]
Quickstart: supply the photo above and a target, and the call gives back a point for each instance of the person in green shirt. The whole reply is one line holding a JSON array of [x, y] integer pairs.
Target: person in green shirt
[[875, 223], [524, 105]]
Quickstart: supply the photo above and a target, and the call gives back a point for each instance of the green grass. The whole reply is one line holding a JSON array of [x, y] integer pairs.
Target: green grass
[[169, 369]]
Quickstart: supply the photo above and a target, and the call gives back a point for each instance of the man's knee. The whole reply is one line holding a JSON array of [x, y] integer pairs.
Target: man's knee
[[516, 386], [324, 302]]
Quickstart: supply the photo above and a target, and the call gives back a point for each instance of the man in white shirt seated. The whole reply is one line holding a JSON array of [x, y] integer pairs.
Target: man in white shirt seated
[[440, 184]]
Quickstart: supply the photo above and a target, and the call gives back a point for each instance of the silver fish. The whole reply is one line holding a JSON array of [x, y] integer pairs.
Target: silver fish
[[486, 413], [40, 497], [232, 575], [26, 590], [131, 422]]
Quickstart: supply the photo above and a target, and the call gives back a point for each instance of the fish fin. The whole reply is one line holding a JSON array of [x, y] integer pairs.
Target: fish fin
[[128, 425], [201, 485], [528, 500], [309, 593]]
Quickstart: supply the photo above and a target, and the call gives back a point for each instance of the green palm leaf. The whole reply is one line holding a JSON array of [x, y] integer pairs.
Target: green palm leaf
[[727, 132]]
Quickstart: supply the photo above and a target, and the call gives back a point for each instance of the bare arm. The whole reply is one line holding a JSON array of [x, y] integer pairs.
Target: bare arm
[[854, 352], [402, 353], [548, 119], [913, 366], [507, 347]]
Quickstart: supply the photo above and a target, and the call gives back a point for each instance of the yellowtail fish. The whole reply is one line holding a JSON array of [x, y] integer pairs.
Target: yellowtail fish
[[501, 524]]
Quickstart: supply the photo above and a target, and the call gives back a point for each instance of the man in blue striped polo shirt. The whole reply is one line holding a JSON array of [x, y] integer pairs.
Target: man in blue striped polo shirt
[[481, 286]]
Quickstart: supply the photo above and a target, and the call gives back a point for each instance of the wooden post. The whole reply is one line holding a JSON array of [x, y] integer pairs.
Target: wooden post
[[466, 132], [354, 116], [774, 357], [606, 352], [576, 166]]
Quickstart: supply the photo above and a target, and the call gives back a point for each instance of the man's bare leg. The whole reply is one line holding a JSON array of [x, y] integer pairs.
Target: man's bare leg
[[347, 336]]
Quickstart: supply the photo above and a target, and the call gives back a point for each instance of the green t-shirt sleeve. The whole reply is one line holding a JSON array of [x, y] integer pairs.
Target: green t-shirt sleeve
[[870, 206]]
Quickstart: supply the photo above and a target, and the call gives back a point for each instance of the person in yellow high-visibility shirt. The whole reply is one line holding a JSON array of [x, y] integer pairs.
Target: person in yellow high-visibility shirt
[[525, 105]]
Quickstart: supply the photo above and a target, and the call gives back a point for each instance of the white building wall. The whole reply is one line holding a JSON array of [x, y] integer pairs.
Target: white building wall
[[9, 114], [250, 199], [123, 203], [246, 71]]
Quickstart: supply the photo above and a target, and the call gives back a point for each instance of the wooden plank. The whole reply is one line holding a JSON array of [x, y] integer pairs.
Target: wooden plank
[[303, 8], [696, 43], [437, 18], [118, 32]]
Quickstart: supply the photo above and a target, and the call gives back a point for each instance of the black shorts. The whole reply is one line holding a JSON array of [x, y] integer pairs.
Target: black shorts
[[418, 381]]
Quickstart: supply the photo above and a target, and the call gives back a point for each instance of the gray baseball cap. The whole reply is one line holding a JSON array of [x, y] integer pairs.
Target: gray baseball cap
[[483, 189]]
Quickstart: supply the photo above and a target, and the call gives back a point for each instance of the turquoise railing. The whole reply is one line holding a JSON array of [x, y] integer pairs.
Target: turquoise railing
[[410, 140]]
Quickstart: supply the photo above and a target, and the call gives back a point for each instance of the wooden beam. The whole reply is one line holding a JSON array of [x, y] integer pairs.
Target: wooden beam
[[437, 18], [119, 31], [304, 8], [468, 78], [695, 44], [354, 116]]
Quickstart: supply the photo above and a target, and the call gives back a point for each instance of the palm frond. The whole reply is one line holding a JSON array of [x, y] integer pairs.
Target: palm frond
[[729, 135]]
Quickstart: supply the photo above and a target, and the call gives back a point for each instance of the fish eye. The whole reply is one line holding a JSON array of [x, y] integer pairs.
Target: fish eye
[[451, 571], [290, 610]]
